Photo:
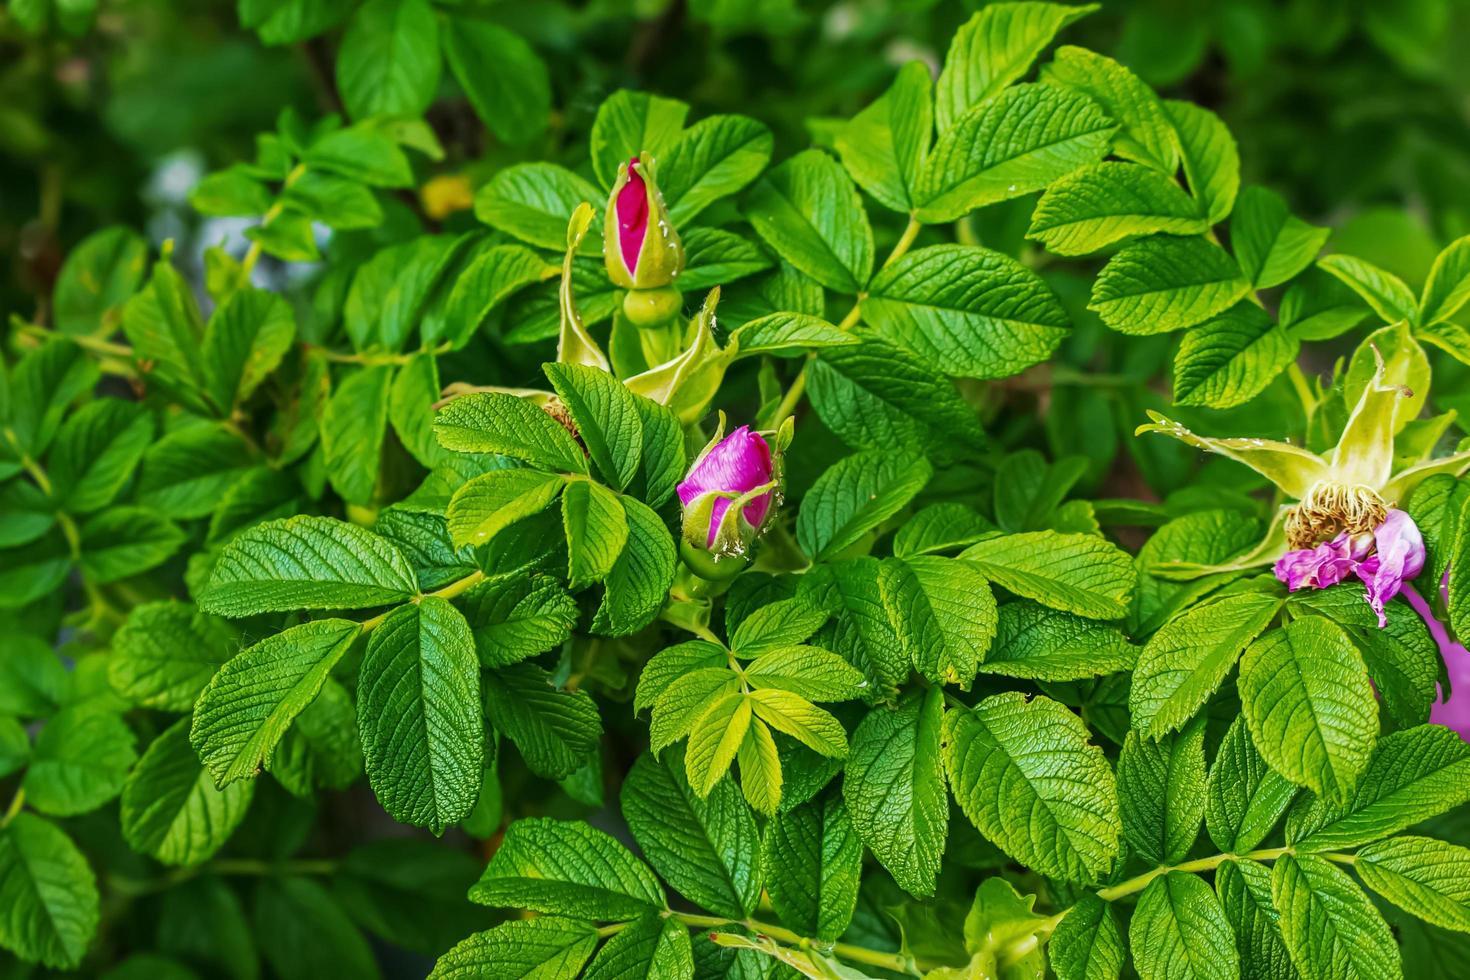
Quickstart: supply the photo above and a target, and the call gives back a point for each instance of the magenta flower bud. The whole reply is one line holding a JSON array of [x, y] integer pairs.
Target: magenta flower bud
[[640, 246], [728, 493], [1398, 555]]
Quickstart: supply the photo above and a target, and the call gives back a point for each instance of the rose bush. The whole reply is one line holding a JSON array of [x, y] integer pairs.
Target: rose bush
[[738, 562]]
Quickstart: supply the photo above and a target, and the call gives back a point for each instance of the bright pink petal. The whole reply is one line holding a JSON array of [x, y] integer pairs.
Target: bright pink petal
[[1453, 711], [1327, 564], [632, 217], [738, 464]]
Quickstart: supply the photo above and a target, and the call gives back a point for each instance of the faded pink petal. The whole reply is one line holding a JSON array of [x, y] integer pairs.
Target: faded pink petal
[[1399, 555], [1452, 711], [632, 217], [1327, 564], [737, 464]]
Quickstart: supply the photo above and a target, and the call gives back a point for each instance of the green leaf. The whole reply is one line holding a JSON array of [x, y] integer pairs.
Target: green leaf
[[629, 123], [1428, 878], [894, 788], [33, 680], [15, 746], [884, 146], [490, 503], [1244, 890], [556, 731], [1093, 208], [418, 708], [808, 210], [400, 289], [1012, 145], [165, 654], [776, 625], [494, 422], [1413, 775], [596, 528], [1179, 932], [304, 933], [1384, 292], [79, 762], [1317, 306], [1305, 694], [715, 733], [98, 276], [854, 496], [1330, 926], [707, 848], [940, 527], [1078, 573], [813, 861], [565, 867], [26, 513], [863, 632], [531, 202], [1165, 283], [1086, 944], [967, 311], [96, 452], [713, 257], [163, 325], [1027, 777], [1033, 642], [1146, 135], [506, 81], [786, 334], [1186, 661], [876, 394], [353, 426], [42, 385], [1211, 160], [795, 716], [1161, 791], [253, 699], [187, 472], [306, 563], [712, 159], [809, 672], [121, 542], [994, 48], [945, 612], [1231, 359], [171, 810], [515, 617], [48, 892], [607, 418], [1245, 797], [638, 584], [389, 59], [322, 749], [32, 571], [546, 946], [487, 282], [337, 202], [1448, 287], [365, 153], [1271, 244], [289, 236], [244, 341]]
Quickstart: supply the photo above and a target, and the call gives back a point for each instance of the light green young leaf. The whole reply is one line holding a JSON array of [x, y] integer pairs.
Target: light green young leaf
[[546, 946], [1078, 573], [490, 503], [884, 146], [638, 584], [809, 672], [1165, 283], [1179, 932], [715, 734], [48, 892], [418, 709], [1033, 642], [967, 311], [855, 496], [1448, 286], [1305, 694], [607, 418], [166, 653], [1014, 144], [711, 160], [1211, 160], [557, 731], [1231, 359], [506, 81], [566, 867], [80, 761], [1161, 789], [708, 849], [1414, 774], [495, 422], [1383, 291], [1330, 927], [1271, 244], [1428, 878], [171, 810], [994, 48], [629, 123], [894, 788], [795, 716], [306, 563], [596, 528], [1095, 207], [253, 699], [808, 210], [1245, 797], [1026, 775], [782, 623]]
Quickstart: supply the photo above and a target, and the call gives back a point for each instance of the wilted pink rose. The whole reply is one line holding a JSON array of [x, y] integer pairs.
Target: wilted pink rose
[[1327, 564], [738, 464], [1384, 561]]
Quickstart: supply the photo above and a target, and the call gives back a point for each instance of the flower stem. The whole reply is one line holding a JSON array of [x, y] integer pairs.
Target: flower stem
[[847, 951], [16, 802], [1134, 885], [252, 255]]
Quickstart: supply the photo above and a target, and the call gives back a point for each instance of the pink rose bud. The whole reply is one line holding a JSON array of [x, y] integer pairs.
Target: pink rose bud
[[641, 248], [728, 493]]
